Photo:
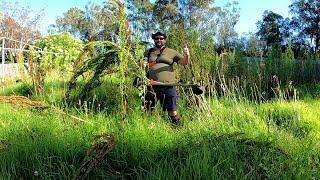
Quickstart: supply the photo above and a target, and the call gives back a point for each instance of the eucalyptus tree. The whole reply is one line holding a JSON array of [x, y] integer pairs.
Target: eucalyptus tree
[[200, 15], [269, 28], [170, 14], [251, 45], [71, 21], [166, 14], [140, 13], [227, 18], [96, 22], [306, 20]]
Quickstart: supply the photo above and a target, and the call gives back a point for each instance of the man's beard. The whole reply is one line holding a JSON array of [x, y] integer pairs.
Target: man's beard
[[159, 45]]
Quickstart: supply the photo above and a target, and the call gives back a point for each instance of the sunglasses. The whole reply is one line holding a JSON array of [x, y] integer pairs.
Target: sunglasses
[[158, 38]]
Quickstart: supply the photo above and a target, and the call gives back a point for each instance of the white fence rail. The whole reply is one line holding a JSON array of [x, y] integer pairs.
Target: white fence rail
[[12, 70], [8, 45]]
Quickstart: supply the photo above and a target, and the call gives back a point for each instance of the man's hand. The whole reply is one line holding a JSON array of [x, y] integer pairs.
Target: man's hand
[[151, 63], [186, 50], [186, 57]]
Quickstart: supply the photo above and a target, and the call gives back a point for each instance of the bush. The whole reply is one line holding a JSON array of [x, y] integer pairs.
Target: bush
[[59, 50]]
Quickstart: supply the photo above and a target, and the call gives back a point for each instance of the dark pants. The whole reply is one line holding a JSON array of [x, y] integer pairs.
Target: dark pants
[[167, 95]]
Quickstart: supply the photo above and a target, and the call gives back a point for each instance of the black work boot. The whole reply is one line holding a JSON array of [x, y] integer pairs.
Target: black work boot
[[175, 120]]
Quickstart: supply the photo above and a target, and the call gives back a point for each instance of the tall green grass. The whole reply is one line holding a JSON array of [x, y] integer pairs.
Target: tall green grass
[[237, 140]]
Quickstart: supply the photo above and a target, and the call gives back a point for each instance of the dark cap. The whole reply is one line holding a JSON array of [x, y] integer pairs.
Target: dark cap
[[159, 34]]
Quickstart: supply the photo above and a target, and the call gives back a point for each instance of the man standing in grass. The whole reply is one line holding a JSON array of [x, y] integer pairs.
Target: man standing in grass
[[160, 69]]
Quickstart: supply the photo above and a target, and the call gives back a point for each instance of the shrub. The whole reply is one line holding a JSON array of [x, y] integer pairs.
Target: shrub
[[59, 50]]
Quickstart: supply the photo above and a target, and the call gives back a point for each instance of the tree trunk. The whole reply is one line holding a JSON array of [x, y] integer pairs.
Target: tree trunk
[[318, 42]]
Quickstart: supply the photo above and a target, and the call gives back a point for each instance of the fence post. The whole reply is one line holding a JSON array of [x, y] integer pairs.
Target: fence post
[[3, 61]]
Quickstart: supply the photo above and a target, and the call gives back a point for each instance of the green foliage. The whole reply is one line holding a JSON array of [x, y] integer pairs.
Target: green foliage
[[288, 64], [102, 61], [269, 28], [18, 87], [94, 23], [285, 118], [59, 51], [306, 20], [90, 72], [202, 16], [241, 140], [124, 56], [227, 18], [36, 73], [44, 139], [309, 91], [230, 132], [24, 89]]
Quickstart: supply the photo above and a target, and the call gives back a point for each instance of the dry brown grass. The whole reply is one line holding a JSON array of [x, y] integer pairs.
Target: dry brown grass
[[22, 101]]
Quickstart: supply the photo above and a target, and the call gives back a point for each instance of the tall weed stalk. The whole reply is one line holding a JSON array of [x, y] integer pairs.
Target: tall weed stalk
[[123, 54]]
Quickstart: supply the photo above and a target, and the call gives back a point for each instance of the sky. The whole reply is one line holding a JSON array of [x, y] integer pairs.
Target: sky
[[251, 11]]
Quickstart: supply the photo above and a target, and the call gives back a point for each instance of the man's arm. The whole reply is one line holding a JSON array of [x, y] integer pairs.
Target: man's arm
[[185, 60]]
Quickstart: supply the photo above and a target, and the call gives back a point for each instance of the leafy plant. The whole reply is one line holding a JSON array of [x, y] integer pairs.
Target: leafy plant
[[59, 51]]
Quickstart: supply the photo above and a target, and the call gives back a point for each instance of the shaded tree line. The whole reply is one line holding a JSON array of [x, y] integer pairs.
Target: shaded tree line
[[303, 29], [96, 22]]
